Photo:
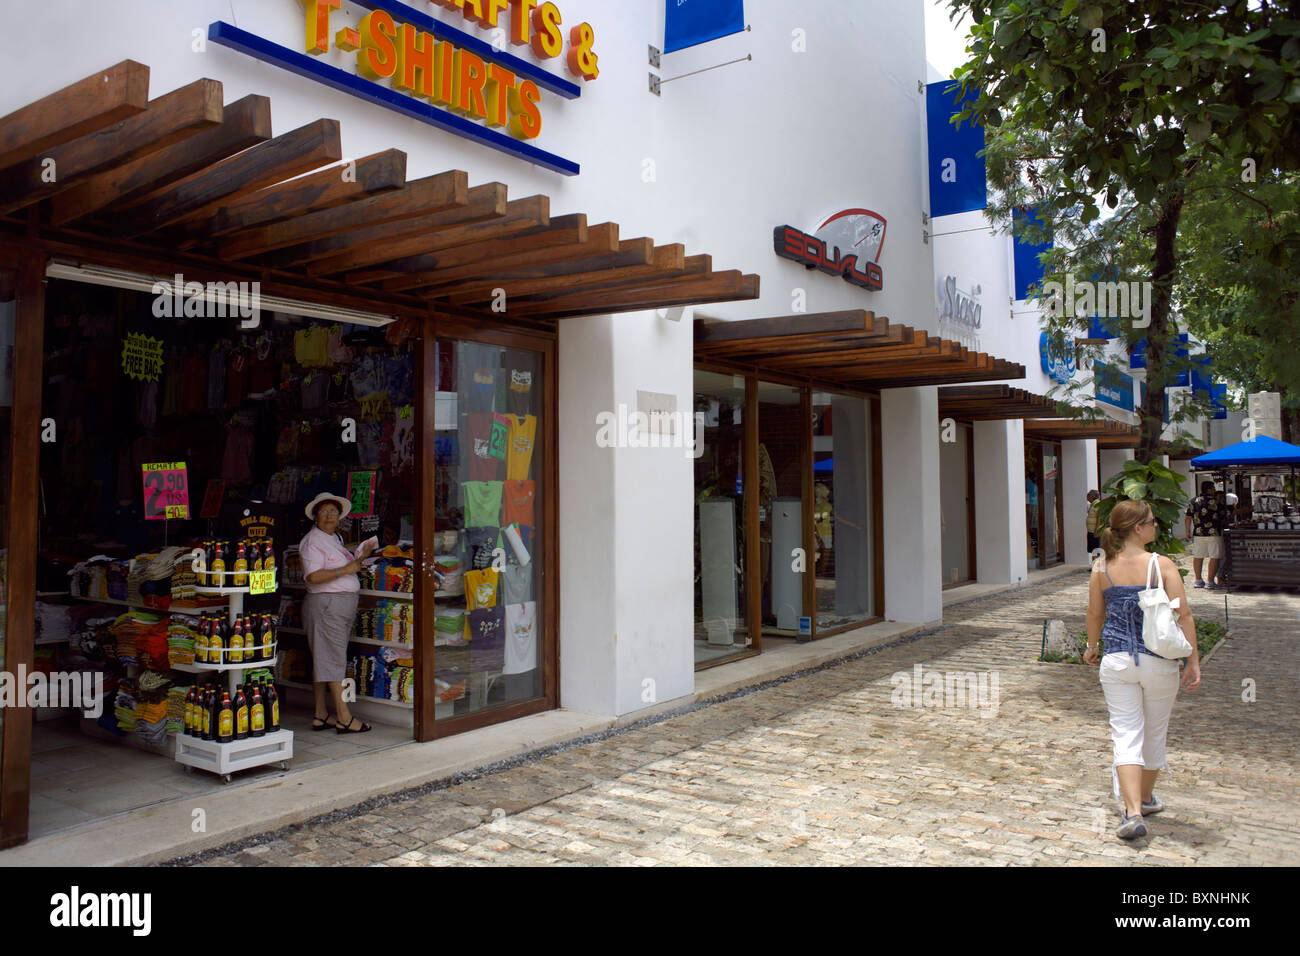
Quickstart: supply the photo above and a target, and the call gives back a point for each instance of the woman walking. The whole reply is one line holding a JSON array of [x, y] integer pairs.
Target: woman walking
[[1140, 687], [330, 572]]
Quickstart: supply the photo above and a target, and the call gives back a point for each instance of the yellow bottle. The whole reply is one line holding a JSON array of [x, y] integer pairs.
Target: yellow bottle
[[241, 567]]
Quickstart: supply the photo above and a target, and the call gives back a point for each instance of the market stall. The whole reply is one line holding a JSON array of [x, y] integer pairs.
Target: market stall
[[1262, 542]]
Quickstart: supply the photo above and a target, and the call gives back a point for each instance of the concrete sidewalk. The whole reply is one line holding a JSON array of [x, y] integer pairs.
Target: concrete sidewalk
[[167, 830]]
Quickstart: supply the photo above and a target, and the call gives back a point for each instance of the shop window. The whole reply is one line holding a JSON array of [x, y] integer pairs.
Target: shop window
[[842, 511], [490, 502]]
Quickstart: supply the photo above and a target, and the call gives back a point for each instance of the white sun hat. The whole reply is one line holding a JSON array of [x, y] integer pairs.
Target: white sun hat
[[344, 505]]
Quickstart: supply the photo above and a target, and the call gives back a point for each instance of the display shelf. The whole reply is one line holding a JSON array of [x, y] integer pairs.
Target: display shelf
[[242, 666], [275, 746], [397, 645], [47, 641], [174, 607], [364, 592], [385, 701]]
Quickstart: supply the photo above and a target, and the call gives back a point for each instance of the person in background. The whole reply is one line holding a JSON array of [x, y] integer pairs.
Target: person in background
[[1094, 499], [330, 574], [1203, 522]]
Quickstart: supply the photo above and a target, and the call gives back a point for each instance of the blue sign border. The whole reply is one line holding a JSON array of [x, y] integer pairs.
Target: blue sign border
[[259, 48]]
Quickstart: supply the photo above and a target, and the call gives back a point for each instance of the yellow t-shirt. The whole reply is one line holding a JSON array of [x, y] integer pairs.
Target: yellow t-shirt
[[519, 446], [481, 588]]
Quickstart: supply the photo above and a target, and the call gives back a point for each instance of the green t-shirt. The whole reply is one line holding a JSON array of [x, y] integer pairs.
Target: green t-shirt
[[483, 504]]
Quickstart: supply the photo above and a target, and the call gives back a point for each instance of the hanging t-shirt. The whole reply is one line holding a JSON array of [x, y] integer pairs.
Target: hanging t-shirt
[[481, 588], [480, 544], [483, 464], [519, 452], [487, 631], [482, 504], [517, 502], [517, 584], [518, 380], [521, 638], [479, 367]]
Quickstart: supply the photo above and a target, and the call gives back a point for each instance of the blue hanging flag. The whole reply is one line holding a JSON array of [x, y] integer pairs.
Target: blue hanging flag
[[691, 22], [1028, 270], [958, 181]]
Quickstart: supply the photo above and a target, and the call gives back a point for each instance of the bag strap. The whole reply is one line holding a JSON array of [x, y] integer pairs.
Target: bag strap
[[1155, 563]]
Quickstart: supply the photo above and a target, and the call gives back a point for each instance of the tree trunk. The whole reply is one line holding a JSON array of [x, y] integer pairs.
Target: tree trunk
[[1164, 265]]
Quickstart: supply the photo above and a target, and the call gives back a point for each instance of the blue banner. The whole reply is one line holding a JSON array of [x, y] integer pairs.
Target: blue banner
[[1025, 255], [1202, 374], [1139, 359], [1112, 386], [958, 182], [1219, 398], [690, 22]]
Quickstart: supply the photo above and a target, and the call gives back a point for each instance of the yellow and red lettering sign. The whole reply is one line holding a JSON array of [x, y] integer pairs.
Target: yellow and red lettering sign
[[422, 66]]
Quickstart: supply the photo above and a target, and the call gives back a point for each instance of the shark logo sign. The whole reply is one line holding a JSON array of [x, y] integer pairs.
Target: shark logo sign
[[847, 244]]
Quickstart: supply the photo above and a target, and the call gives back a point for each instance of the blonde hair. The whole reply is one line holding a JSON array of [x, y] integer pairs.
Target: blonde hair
[[1124, 517]]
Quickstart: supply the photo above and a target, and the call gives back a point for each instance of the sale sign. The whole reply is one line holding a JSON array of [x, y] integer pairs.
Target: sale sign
[[361, 492], [212, 498], [261, 582], [166, 491]]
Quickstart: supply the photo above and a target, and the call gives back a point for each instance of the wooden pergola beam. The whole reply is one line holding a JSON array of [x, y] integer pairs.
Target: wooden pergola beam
[[167, 120], [420, 197], [205, 192], [244, 123], [100, 100]]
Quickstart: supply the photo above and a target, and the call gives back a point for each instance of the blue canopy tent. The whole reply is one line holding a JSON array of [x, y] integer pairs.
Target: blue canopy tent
[[1261, 453]]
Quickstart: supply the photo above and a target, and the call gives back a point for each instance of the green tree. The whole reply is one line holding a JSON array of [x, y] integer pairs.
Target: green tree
[[1129, 98]]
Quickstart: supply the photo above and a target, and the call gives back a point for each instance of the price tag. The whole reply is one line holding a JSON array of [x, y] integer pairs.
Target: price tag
[[261, 582], [166, 491], [361, 492]]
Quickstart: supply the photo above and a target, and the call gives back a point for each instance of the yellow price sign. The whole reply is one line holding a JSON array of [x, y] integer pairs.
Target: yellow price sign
[[178, 511], [261, 582]]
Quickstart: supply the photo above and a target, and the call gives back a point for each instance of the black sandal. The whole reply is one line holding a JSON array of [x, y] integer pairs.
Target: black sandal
[[324, 723], [342, 729]]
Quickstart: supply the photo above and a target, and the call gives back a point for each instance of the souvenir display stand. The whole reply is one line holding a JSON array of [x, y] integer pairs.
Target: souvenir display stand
[[276, 746]]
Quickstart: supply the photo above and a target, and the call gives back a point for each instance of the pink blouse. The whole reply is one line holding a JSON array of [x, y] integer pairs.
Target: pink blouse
[[320, 551]]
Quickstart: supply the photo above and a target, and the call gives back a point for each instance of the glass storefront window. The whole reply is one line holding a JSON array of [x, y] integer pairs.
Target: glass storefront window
[[489, 497], [720, 629], [8, 317], [955, 505], [842, 513], [1033, 485]]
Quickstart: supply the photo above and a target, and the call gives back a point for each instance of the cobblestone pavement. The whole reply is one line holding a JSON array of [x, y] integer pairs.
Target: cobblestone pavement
[[825, 769]]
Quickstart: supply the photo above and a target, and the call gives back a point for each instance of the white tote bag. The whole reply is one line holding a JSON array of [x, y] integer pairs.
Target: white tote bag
[[1160, 631]]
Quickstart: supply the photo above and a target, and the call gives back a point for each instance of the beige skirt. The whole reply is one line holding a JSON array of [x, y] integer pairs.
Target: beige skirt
[[328, 619]]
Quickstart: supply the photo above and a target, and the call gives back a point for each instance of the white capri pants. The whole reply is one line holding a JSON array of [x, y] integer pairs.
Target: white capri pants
[[1140, 699]]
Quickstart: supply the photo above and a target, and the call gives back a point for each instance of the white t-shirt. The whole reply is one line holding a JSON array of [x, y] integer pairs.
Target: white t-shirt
[[521, 638]]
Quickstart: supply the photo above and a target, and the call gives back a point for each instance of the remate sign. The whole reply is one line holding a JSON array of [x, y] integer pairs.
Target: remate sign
[[848, 244], [407, 61]]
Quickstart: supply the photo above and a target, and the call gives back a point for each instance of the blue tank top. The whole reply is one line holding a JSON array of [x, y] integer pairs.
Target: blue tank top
[[1122, 632]]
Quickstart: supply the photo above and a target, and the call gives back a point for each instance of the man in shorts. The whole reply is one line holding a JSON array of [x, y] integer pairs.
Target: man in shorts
[[1203, 522]]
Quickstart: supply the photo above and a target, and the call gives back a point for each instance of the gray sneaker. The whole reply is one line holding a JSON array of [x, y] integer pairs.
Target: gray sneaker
[[1131, 828], [1198, 583], [1152, 806]]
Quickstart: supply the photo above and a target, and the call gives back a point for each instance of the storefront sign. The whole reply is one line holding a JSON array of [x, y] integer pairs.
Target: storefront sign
[[1057, 359], [409, 62], [212, 497], [261, 582], [142, 357], [1112, 386], [960, 312], [166, 491], [361, 492], [847, 244]]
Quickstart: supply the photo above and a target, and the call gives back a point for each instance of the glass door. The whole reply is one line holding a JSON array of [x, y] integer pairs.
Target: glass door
[[785, 561], [490, 496]]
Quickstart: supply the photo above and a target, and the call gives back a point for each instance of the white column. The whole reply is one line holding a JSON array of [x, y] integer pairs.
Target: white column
[[1111, 461], [1000, 550], [626, 520], [1078, 477], [909, 421]]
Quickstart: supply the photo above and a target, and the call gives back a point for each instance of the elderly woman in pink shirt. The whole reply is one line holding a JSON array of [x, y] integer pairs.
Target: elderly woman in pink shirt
[[328, 610]]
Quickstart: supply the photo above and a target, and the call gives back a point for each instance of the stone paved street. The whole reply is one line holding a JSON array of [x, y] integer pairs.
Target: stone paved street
[[824, 769]]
